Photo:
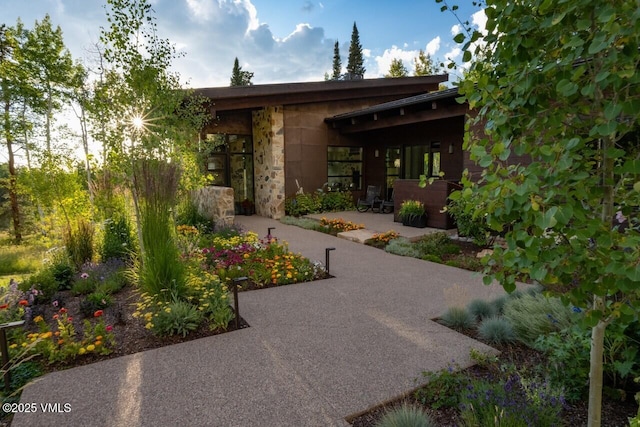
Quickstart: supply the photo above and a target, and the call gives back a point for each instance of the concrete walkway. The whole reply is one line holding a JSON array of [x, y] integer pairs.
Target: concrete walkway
[[315, 352]]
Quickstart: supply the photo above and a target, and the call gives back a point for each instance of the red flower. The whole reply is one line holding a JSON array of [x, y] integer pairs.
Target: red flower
[[98, 313], [23, 302], [70, 319], [3, 306], [55, 317], [109, 328], [63, 310]]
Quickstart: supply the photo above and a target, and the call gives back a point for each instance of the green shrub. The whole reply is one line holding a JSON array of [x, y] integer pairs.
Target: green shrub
[[112, 284], [405, 416], [568, 360], [499, 303], [496, 330], [536, 315], [320, 201], [458, 318], [306, 223], [402, 246], [437, 243], [118, 239], [514, 402], [188, 214], [93, 302], [83, 286], [57, 274], [469, 220], [79, 243], [443, 389], [336, 201], [481, 309], [179, 317], [302, 204], [431, 258]]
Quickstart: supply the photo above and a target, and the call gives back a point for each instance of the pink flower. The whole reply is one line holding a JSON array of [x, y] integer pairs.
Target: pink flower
[[55, 303], [109, 328], [70, 319], [84, 276]]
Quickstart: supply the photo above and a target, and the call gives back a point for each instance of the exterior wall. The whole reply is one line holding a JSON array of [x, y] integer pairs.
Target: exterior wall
[[269, 161], [433, 196], [307, 137], [215, 203]]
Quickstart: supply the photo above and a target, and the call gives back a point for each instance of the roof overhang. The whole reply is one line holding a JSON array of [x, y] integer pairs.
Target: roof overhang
[[258, 96], [415, 109]]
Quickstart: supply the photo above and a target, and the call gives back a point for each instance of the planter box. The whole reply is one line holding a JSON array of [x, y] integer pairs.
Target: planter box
[[416, 221]]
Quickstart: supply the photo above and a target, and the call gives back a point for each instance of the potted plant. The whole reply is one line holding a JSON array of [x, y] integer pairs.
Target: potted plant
[[413, 214]]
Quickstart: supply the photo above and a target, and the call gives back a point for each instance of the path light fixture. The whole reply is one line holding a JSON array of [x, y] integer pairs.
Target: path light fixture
[[269, 231], [5, 350], [326, 258], [236, 283]]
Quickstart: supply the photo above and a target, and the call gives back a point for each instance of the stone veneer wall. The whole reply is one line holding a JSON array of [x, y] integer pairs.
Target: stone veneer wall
[[268, 149], [215, 203]]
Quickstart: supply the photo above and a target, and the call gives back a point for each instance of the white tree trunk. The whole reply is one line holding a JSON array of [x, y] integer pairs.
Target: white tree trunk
[[595, 371]]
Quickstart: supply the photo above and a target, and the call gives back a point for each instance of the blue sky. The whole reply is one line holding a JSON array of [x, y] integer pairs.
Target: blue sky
[[280, 41]]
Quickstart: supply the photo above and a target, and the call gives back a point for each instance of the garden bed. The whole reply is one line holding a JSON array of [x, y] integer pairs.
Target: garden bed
[[614, 413]]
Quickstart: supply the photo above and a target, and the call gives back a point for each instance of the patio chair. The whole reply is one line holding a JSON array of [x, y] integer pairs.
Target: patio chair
[[386, 206], [371, 201]]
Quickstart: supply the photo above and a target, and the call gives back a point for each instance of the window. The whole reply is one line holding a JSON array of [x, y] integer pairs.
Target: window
[[344, 168], [422, 160], [231, 163], [392, 168]]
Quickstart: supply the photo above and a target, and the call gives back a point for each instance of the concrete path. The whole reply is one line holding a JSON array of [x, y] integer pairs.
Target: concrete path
[[315, 352]]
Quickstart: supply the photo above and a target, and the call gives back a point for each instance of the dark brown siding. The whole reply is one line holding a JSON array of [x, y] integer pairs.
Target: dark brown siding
[[434, 197]]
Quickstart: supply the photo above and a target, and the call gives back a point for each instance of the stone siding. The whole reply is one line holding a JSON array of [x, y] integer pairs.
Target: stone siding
[[268, 148], [216, 204]]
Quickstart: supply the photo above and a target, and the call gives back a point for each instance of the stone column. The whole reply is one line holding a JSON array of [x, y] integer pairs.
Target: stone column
[[268, 149]]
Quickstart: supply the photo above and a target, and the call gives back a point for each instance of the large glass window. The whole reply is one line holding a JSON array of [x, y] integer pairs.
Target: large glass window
[[422, 160], [392, 168], [344, 168]]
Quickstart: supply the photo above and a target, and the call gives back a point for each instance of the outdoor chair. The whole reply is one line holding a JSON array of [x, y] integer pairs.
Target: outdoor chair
[[386, 206], [371, 201]]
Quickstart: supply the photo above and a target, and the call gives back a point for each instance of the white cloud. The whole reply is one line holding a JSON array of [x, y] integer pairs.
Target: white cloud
[[433, 46], [479, 19], [456, 29]]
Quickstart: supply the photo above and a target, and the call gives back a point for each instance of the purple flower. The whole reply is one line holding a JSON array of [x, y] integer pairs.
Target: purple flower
[[55, 303], [576, 310], [84, 276], [620, 217]]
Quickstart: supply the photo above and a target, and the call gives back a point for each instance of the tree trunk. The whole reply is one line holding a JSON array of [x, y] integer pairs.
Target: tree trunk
[[13, 178], [595, 370]]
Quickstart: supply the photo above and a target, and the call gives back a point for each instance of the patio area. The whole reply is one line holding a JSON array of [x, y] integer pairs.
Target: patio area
[[376, 223]]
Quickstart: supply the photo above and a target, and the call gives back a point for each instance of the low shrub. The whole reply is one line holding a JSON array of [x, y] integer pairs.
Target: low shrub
[[118, 239], [179, 317], [481, 309], [302, 204], [83, 286], [516, 401], [496, 330], [94, 302], [188, 214], [443, 389], [306, 223], [320, 201], [402, 246], [458, 318], [533, 315], [470, 220], [405, 416], [339, 225], [437, 243]]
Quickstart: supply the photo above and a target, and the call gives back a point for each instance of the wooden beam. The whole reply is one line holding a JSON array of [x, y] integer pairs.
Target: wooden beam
[[418, 117]]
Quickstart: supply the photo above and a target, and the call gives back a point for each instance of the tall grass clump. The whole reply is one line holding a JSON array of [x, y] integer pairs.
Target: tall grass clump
[[79, 243], [117, 240], [405, 416], [402, 246], [458, 318], [496, 330], [161, 272], [481, 309], [536, 315]]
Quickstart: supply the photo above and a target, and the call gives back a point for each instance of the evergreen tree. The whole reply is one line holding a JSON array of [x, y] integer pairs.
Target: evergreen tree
[[397, 69], [337, 63], [355, 66], [240, 77]]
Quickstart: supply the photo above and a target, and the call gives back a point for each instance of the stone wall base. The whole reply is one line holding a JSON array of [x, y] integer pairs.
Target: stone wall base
[[216, 204]]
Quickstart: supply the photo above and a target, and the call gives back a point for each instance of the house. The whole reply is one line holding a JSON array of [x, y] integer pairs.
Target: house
[[270, 141]]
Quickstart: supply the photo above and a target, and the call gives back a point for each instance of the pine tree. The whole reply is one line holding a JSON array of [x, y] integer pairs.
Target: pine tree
[[337, 62], [240, 77], [355, 66]]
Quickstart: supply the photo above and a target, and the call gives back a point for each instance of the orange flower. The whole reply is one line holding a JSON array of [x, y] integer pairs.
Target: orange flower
[[3, 306], [56, 333], [98, 313], [55, 317], [60, 342], [23, 302]]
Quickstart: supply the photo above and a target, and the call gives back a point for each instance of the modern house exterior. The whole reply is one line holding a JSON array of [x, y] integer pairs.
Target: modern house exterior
[[272, 141]]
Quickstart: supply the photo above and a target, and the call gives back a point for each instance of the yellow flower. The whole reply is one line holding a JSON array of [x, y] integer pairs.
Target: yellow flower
[[13, 346], [167, 310], [38, 319], [149, 325], [91, 347], [24, 344], [81, 351]]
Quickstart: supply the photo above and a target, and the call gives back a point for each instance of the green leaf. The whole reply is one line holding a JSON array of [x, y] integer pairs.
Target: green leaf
[[612, 110], [565, 87], [636, 186], [459, 38]]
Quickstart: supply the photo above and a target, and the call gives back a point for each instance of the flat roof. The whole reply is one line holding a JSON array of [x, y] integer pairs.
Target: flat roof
[[256, 96]]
